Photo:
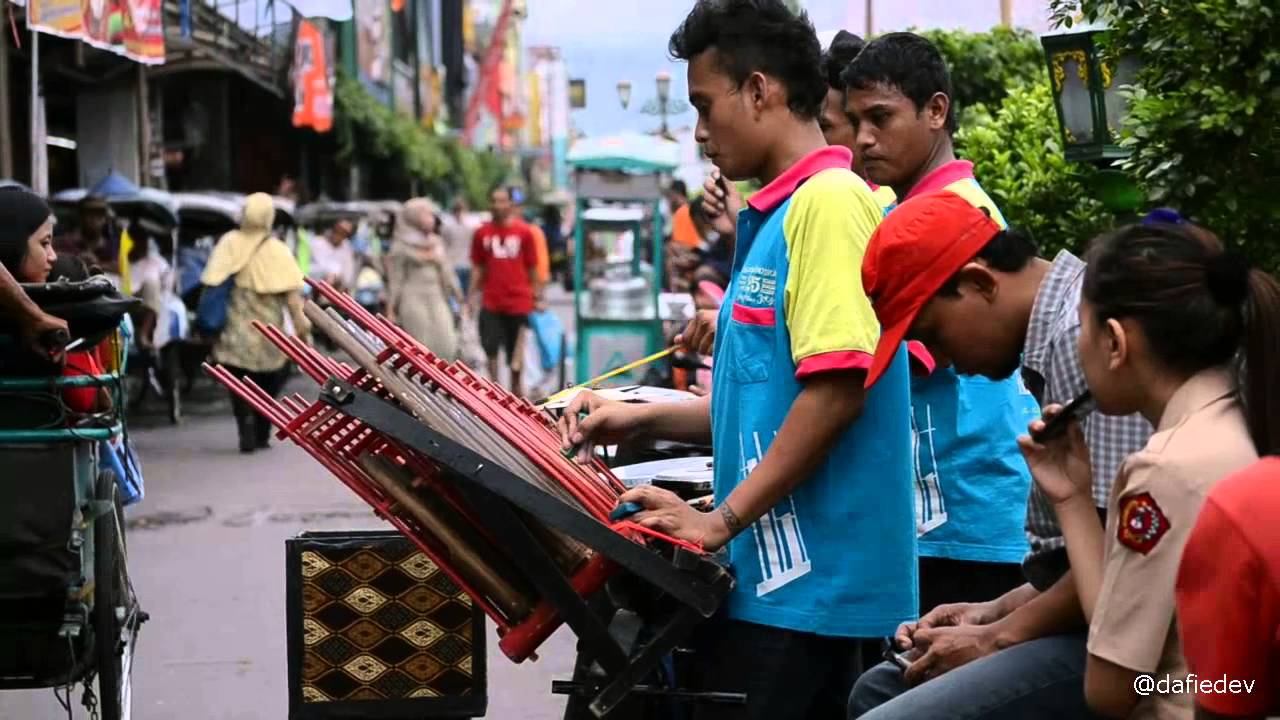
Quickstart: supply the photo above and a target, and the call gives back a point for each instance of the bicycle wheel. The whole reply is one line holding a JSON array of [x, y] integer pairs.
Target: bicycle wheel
[[112, 612]]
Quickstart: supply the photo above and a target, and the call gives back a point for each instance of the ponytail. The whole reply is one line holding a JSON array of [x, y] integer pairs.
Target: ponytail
[[1199, 304], [1262, 361]]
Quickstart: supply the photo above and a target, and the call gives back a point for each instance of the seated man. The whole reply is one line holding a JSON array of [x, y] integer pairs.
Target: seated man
[[943, 272]]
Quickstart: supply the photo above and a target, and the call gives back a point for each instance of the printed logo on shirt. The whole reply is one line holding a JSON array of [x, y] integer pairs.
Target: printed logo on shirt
[[503, 248], [931, 510], [757, 286], [780, 546]]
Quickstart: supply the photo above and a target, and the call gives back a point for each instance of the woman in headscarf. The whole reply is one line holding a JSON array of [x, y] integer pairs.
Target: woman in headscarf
[[421, 281], [267, 288]]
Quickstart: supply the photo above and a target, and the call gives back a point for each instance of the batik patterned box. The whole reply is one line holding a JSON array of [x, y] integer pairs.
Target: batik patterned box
[[376, 630]]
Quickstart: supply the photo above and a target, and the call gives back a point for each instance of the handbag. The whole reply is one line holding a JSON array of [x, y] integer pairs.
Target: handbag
[[211, 311]]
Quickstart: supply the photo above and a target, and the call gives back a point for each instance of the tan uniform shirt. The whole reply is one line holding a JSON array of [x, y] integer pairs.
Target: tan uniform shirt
[[1201, 439]]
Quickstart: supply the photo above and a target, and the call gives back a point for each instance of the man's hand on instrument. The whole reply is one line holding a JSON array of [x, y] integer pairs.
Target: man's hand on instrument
[[665, 512], [700, 335], [605, 422]]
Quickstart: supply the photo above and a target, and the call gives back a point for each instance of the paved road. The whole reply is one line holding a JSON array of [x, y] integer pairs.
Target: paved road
[[207, 558]]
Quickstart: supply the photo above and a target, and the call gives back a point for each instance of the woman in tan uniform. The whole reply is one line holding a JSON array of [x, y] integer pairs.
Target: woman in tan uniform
[[1164, 313], [268, 288], [420, 281]]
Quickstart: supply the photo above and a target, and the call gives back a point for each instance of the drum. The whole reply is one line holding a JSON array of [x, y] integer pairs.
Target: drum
[[690, 477]]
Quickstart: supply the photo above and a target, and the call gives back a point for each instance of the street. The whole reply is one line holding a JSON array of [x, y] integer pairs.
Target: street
[[207, 556]]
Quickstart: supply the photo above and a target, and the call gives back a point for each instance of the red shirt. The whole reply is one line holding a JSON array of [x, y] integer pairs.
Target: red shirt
[[1228, 591], [507, 253], [81, 399]]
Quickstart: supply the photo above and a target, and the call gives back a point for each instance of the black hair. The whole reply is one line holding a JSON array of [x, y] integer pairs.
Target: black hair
[[844, 48], [1198, 304], [678, 187], [70, 268], [1009, 251], [905, 61], [758, 36]]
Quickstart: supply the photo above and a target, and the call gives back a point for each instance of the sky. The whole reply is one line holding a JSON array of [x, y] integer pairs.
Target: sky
[[606, 41]]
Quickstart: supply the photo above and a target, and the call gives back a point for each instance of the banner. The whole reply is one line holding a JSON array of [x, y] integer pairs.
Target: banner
[[144, 32], [132, 28], [63, 18], [373, 41], [312, 90]]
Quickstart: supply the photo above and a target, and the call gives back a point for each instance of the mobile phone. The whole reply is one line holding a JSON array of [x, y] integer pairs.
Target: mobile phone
[[1057, 424], [891, 654]]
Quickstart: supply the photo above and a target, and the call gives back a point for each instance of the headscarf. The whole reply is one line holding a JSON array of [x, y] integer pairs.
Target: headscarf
[[21, 214], [414, 230], [260, 262]]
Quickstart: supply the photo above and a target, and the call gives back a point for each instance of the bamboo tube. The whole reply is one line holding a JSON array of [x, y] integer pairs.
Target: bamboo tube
[[490, 572]]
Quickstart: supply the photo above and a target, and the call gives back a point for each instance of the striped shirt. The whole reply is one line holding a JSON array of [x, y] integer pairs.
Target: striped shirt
[[1051, 370]]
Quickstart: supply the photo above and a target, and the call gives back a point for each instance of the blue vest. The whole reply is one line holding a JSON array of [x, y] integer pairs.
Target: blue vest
[[837, 556]]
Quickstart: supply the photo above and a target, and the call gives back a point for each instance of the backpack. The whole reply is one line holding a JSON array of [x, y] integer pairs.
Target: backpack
[[211, 311]]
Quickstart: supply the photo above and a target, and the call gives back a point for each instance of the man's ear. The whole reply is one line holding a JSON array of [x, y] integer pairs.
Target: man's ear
[[758, 89], [936, 110], [979, 279]]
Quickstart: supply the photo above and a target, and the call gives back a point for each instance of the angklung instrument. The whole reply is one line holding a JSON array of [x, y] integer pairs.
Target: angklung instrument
[[475, 477]]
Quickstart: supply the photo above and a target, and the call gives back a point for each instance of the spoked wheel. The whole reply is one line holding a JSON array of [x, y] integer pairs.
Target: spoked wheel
[[115, 614]]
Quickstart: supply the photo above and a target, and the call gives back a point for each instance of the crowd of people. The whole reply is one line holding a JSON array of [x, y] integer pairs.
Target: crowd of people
[[1025, 483], [1021, 481]]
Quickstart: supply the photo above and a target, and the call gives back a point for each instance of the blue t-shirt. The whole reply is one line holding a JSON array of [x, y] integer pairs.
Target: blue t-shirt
[[971, 481], [837, 556]]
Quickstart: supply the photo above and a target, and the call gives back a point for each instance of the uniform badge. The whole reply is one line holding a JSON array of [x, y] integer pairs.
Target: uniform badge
[[1142, 523]]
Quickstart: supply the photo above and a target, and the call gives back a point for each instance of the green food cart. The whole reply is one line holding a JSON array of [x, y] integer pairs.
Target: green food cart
[[618, 250]]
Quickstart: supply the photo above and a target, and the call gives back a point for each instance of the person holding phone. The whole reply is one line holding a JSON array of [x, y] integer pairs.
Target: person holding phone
[[1165, 310], [944, 272]]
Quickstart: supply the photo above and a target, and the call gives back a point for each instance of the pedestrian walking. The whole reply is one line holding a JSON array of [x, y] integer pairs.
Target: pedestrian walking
[[267, 287], [506, 281], [421, 282]]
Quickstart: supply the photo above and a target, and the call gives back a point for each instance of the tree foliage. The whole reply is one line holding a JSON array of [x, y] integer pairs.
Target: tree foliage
[[443, 164], [986, 66], [1017, 155], [1009, 130], [1202, 120]]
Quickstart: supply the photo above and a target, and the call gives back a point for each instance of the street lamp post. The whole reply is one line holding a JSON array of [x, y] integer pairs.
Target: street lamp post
[[1086, 94], [624, 93], [663, 81], [664, 105], [1091, 108]]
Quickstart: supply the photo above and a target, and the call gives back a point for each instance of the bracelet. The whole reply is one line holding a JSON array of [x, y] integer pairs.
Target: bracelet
[[731, 519]]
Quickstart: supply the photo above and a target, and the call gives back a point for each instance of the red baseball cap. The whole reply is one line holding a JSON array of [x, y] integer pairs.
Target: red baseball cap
[[913, 252]]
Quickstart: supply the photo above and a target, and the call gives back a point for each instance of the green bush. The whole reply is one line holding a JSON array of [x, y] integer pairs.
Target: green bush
[[1202, 123], [1017, 157], [1009, 129], [986, 66], [443, 164]]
